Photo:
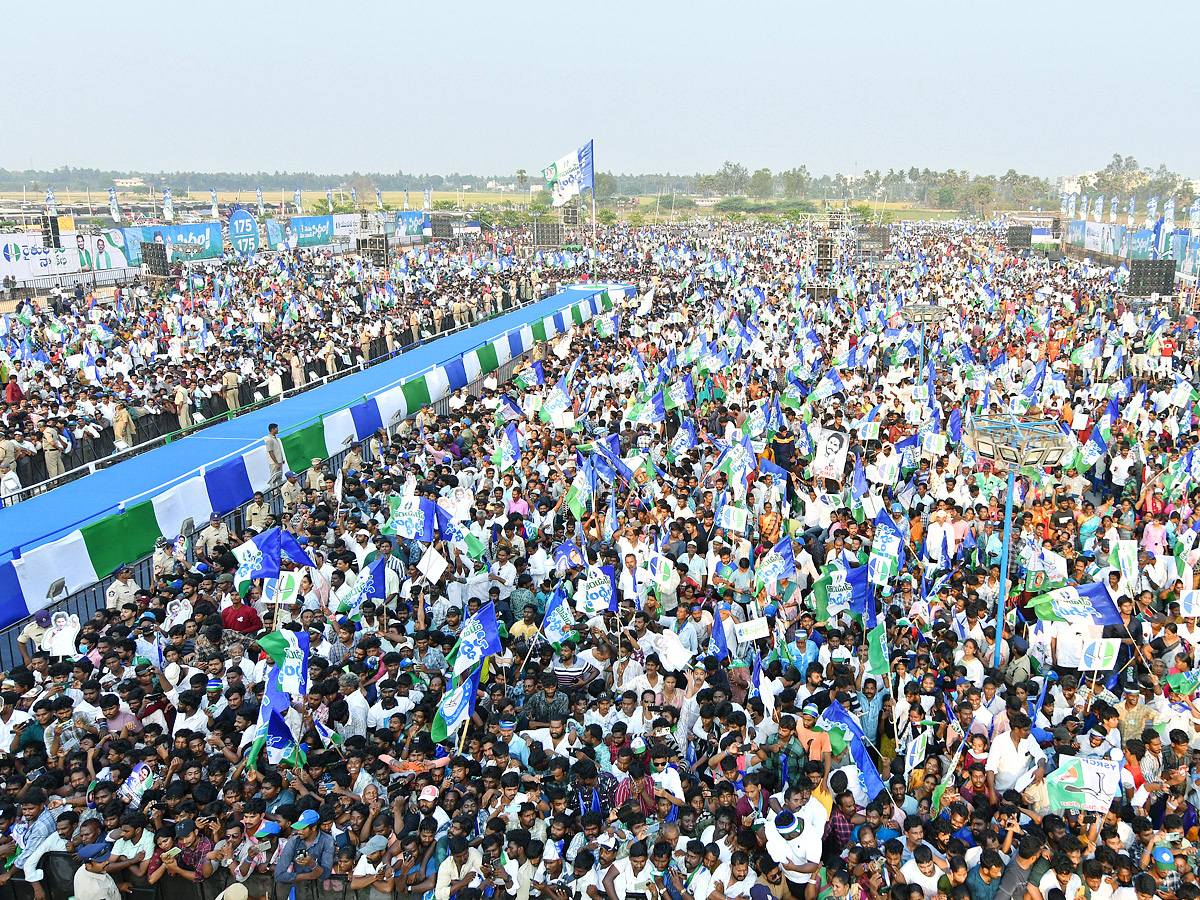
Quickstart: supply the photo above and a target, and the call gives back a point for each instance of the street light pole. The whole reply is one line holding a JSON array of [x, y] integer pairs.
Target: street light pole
[[923, 314]]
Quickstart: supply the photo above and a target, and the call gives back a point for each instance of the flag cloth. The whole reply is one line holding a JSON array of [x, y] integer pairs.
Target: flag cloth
[[534, 376], [868, 776], [679, 393], [582, 491], [558, 623], [1083, 783], [508, 448], [480, 638], [450, 530], [289, 651], [271, 731], [884, 562], [558, 401], [685, 439], [329, 737], [776, 564], [1185, 683], [456, 707], [258, 557], [738, 462], [914, 756], [1087, 602], [598, 591], [411, 517], [371, 585], [841, 727], [292, 551], [877, 651]]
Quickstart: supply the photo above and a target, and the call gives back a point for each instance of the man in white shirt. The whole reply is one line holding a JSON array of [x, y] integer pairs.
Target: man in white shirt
[[1014, 754]]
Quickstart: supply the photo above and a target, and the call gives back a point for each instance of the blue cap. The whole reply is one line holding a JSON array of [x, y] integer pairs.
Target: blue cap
[[896, 507], [307, 819], [97, 852], [290, 474], [266, 829]]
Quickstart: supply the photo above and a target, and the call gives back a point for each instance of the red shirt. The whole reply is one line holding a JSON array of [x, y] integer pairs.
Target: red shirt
[[241, 618]]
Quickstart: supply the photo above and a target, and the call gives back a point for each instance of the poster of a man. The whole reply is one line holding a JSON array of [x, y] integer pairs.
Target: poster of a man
[[830, 458]]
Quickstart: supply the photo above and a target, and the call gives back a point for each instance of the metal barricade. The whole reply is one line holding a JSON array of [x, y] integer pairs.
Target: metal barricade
[[85, 603]]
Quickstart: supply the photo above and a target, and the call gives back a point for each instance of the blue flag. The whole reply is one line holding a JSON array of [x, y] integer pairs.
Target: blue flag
[[479, 639]]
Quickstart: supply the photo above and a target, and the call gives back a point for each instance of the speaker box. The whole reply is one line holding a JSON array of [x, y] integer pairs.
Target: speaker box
[[154, 259], [549, 234], [441, 226], [1151, 276], [50, 236], [824, 255], [570, 215], [1020, 237]]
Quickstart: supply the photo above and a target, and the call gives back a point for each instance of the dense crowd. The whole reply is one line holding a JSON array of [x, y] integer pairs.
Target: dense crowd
[[712, 610], [83, 378]]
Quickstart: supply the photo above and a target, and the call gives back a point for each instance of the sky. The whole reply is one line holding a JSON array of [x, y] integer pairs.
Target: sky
[[660, 86]]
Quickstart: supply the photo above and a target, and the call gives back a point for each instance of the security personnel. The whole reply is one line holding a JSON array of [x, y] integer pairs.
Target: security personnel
[[291, 490], [215, 532], [123, 590], [258, 514]]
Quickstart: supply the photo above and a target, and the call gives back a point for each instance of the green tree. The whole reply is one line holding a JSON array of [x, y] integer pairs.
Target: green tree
[[443, 204], [606, 185], [637, 217], [795, 183], [945, 197], [733, 177], [606, 217], [522, 179], [761, 185]]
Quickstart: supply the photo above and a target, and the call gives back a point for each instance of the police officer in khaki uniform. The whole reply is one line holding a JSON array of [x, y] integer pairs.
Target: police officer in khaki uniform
[[52, 449], [258, 513], [215, 532], [291, 490], [123, 590], [229, 383]]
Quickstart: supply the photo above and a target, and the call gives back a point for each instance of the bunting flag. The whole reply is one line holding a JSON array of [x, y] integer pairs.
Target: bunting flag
[[597, 592], [271, 731], [684, 440], [841, 727]]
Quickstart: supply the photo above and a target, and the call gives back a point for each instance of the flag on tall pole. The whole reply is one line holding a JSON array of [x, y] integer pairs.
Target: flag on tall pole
[[570, 175]]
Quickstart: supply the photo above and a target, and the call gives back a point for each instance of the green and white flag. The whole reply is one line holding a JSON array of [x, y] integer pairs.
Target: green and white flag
[[456, 707], [884, 563], [878, 662], [582, 490], [1083, 783]]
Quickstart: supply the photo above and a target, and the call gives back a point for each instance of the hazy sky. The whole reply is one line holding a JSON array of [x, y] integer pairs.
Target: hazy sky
[[1047, 87]]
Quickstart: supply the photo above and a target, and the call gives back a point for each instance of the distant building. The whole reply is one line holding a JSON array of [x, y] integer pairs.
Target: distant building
[[707, 201], [128, 182]]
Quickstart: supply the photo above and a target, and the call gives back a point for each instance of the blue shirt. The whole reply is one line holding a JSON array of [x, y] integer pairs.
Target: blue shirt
[[320, 852], [870, 714]]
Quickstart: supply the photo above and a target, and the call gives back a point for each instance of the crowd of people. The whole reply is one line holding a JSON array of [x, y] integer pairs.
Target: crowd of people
[[716, 608], [84, 378]]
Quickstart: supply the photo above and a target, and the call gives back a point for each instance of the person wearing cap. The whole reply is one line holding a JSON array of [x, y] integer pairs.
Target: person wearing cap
[[92, 881], [290, 492], [307, 857], [214, 534], [32, 634], [123, 589], [372, 869]]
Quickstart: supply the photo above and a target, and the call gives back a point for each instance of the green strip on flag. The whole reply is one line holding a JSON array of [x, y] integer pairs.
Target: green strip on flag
[[539, 330], [487, 358], [301, 447], [577, 314], [117, 540], [416, 393], [606, 301]]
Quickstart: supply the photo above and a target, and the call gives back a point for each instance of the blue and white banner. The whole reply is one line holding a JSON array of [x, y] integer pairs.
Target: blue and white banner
[[113, 209], [243, 233], [51, 206], [570, 175], [299, 201], [261, 209], [379, 197], [216, 209], [168, 206], [329, 198]]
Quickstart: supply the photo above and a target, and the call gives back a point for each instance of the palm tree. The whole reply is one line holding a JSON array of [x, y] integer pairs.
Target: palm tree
[[522, 179]]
